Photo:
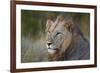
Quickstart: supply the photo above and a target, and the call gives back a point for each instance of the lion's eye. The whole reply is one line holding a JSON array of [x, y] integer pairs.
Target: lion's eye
[[58, 33]]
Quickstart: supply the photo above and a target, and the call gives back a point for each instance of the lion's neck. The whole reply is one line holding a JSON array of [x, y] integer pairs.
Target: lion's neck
[[79, 46]]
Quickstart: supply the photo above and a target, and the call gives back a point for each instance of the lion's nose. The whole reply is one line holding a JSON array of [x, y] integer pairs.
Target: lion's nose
[[49, 44]]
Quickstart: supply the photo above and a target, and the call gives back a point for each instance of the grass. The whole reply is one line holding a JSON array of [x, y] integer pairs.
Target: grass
[[33, 50]]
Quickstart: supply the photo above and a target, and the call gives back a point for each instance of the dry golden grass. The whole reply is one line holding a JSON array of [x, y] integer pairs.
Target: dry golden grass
[[33, 50]]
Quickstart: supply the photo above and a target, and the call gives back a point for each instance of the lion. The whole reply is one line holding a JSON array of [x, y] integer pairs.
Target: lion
[[65, 41]]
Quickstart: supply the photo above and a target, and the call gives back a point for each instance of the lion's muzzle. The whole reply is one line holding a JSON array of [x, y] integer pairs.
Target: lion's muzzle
[[51, 48]]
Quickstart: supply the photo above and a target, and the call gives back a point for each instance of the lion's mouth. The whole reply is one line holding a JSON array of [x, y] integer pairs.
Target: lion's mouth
[[52, 50]]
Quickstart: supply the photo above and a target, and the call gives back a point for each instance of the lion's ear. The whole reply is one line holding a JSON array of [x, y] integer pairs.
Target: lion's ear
[[48, 24], [69, 25]]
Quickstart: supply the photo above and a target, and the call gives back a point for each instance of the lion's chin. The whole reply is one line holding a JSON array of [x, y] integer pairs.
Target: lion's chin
[[51, 51]]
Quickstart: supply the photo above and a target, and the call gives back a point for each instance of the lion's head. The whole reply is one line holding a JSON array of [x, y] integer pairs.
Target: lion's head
[[58, 36]]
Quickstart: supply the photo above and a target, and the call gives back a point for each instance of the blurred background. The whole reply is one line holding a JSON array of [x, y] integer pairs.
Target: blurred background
[[33, 24]]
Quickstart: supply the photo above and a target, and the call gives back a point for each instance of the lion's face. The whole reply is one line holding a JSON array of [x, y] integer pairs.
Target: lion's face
[[58, 37]]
